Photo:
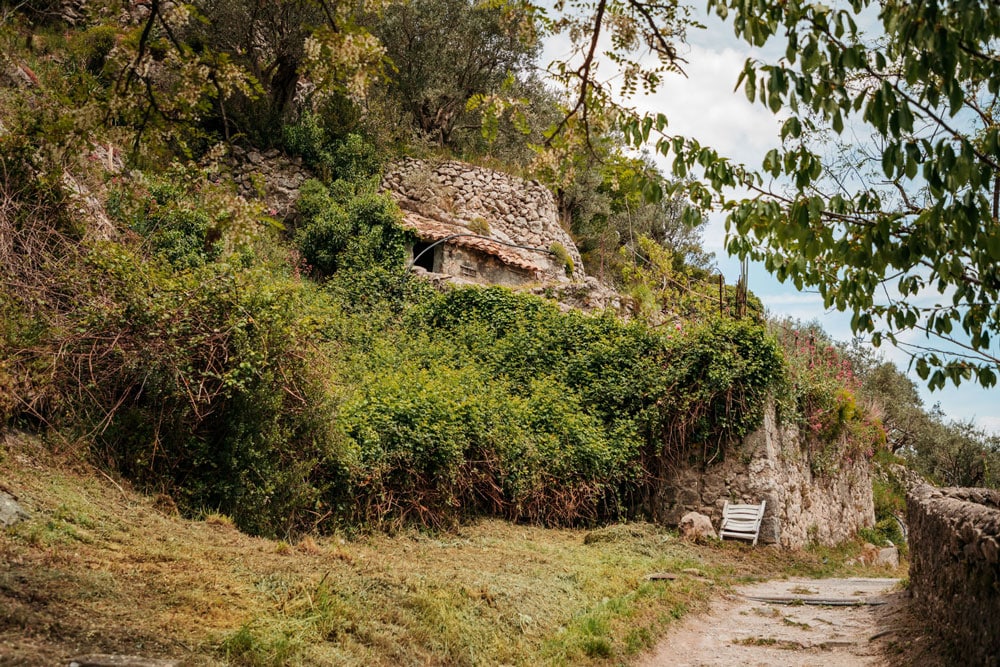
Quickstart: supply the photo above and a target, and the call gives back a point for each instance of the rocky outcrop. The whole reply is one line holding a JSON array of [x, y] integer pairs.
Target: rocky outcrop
[[589, 294], [955, 567], [773, 465], [10, 511]]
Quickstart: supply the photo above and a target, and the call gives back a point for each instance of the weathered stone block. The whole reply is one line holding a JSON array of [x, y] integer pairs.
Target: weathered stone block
[[694, 525], [10, 511]]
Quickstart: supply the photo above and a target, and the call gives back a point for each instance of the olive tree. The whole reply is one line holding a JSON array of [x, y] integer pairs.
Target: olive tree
[[442, 53]]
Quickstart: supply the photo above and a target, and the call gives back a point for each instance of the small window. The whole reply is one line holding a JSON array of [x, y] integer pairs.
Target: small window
[[469, 271]]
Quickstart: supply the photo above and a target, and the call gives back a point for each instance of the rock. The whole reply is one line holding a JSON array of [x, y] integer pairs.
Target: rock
[[108, 660], [770, 530], [869, 553], [990, 550], [888, 557], [712, 487], [694, 525], [10, 511]]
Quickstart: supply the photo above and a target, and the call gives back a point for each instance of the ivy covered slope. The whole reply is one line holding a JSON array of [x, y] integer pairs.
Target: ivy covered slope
[[291, 374], [202, 362]]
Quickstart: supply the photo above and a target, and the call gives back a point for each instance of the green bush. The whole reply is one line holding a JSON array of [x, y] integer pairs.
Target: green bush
[[650, 398], [184, 217], [884, 532], [439, 438], [718, 375], [94, 45], [821, 395], [350, 157], [213, 389], [361, 235]]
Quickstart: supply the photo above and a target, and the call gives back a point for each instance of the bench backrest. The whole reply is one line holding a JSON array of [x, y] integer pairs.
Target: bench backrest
[[742, 521]]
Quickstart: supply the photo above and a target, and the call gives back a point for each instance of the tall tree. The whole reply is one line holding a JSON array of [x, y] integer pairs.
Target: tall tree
[[444, 52]]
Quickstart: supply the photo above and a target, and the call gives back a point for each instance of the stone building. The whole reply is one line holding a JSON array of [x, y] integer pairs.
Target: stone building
[[482, 226]]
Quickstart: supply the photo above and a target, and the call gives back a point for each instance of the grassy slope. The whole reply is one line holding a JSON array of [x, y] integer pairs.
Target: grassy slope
[[99, 568]]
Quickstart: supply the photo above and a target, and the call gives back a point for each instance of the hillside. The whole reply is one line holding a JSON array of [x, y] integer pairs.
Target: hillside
[[318, 346], [99, 568]]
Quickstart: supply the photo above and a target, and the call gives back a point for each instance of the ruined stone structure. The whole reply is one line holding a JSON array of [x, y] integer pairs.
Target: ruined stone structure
[[773, 465], [493, 228], [955, 568]]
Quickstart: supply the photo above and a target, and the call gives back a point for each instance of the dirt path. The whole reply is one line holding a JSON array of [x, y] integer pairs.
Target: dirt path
[[739, 630]]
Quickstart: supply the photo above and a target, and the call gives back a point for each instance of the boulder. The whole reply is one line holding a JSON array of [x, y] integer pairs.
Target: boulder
[[888, 556], [10, 511], [694, 525]]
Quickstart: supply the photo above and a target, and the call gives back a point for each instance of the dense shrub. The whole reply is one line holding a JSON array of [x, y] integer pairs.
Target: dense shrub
[[212, 388], [359, 234], [350, 157], [439, 438], [40, 246], [822, 391], [654, 397]]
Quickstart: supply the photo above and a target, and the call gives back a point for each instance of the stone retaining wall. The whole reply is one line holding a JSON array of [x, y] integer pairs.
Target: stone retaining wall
[[271, 176], [773, 464], [954, 537]]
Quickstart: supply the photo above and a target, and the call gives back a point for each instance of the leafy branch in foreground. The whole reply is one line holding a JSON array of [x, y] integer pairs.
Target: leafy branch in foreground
[[915, 247], [905, 233], [612, 31]]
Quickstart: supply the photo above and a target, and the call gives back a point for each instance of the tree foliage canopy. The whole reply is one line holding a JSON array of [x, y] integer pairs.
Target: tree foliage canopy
[[922, 97], [443, 52], [903, 229]]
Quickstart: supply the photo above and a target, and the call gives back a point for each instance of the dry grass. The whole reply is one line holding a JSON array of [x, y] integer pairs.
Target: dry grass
[[100, 568]]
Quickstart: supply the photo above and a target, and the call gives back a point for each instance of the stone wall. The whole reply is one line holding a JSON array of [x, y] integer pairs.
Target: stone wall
[[491, 203], [476, 267], [954, 542], [271, 176], [773, 465]]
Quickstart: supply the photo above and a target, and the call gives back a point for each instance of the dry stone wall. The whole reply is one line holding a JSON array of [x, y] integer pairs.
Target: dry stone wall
[[954, 537], [773, 465], [271, 176], [503, 207]]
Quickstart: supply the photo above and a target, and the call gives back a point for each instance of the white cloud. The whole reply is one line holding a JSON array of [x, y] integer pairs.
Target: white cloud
[[704, 106], [791, 300], [990, 424]]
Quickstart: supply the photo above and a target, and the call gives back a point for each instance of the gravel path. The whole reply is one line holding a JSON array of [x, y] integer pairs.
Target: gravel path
[[738, 630]]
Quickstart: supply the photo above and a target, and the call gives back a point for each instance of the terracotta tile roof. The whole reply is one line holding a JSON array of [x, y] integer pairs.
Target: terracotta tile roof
[[430, 229]]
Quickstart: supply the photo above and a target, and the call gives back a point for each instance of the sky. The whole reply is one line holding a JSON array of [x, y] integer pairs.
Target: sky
[[703, 105]]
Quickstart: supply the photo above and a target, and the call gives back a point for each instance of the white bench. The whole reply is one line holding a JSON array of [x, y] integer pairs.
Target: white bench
[[741, 522]]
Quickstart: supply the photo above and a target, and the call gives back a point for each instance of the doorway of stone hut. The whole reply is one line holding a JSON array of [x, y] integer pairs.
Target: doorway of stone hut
[[429, 260]]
